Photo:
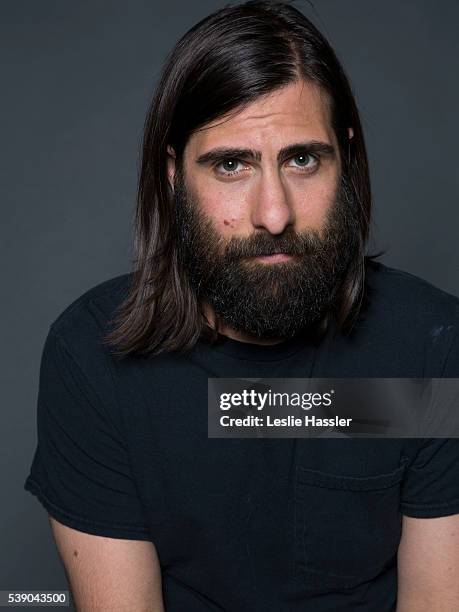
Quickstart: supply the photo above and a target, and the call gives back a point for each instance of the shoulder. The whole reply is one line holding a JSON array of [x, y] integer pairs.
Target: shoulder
[[405, 297], [80, 328], [94, 308], [76, 361], [409, 326]]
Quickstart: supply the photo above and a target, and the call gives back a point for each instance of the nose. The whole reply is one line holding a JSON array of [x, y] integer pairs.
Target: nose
[[271, 208]]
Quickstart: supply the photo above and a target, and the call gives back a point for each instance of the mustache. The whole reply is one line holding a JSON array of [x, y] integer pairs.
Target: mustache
[[289, 243]]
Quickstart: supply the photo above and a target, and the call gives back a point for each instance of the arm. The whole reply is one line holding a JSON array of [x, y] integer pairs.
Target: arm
[[428, 565], [109, 574]]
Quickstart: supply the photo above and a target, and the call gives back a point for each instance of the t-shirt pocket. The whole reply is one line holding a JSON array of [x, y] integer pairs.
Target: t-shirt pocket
[[346, 528]]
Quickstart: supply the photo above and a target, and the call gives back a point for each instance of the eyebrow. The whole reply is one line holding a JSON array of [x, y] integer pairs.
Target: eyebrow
[[312, 146]]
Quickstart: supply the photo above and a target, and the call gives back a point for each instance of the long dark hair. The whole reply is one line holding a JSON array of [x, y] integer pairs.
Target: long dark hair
[[223, 63]]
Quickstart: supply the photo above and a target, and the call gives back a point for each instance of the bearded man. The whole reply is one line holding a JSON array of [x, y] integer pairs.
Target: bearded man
[[252, 222]]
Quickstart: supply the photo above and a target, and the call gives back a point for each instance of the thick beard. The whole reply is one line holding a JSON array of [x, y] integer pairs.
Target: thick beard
[[267, 301]]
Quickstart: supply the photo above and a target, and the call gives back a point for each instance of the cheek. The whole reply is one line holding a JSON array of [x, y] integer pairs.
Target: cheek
[[312, 206], [227, 213]]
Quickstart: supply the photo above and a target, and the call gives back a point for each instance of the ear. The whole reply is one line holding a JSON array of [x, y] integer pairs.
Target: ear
[[170, 166], [350, 132]]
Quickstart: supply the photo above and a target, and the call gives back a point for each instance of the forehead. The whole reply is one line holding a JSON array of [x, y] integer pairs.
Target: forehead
[[296, 111]]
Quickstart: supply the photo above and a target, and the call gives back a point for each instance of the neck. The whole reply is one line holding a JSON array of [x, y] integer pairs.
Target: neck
[[232, 333]]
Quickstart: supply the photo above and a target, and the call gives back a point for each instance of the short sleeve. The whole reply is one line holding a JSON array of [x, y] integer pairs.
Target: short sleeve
[[80, 471], [431, 486]]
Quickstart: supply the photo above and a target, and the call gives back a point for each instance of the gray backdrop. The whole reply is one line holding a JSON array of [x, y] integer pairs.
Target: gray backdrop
[[76, 81]]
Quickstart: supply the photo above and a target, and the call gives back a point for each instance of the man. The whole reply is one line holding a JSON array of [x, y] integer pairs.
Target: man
[[253, 214]]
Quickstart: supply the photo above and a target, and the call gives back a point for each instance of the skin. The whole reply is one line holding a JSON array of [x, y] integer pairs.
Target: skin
[[109, 574], [428, 565], [265, 194]]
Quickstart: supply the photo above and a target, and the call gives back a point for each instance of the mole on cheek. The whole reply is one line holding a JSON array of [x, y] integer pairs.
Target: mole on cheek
[[230, 223]]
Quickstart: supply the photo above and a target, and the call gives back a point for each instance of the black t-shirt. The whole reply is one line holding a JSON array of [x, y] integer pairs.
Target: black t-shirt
[[245, 525]]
